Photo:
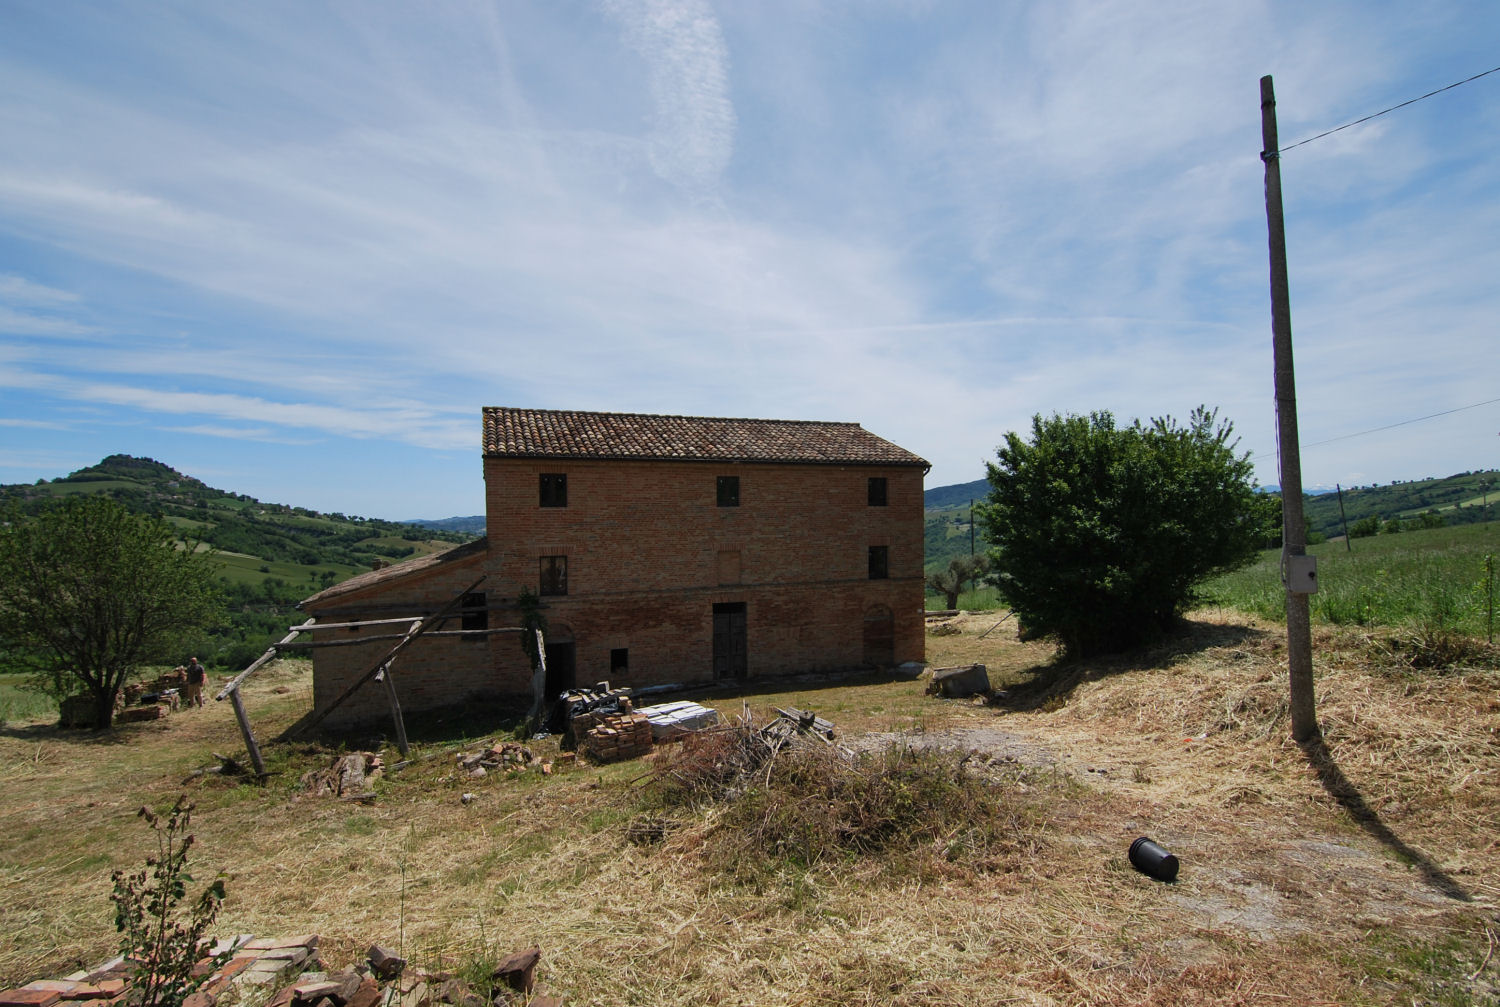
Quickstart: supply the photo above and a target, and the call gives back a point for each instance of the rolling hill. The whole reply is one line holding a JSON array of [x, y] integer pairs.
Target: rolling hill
[[269, 556]]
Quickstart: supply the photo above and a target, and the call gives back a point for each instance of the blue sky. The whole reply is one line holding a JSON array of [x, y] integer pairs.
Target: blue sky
[[293, 248]]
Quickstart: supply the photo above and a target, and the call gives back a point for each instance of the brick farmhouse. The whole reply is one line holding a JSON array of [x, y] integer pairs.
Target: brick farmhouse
[[665, 549]]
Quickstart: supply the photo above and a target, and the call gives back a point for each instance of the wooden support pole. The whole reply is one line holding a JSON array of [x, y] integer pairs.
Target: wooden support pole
[[538, 685], [250, 746], [390, 688], [1294, 534]]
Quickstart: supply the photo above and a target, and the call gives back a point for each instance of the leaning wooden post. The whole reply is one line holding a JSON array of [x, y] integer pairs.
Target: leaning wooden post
[[250, 746], [390, 688], [1294, 534]]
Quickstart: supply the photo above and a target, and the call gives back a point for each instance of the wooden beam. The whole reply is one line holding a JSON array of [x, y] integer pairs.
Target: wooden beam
[[250, 746], [355, 641], [416, 632], [390, 688]]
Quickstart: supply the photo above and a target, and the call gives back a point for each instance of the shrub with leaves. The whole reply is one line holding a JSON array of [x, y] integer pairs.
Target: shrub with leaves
[[1103, 533], [161, 940]]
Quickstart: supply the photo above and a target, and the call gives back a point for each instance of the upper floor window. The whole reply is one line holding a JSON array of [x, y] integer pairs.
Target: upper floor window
[[877, 491], [554, 489], [880, 562], [729, 491], [553, 575]]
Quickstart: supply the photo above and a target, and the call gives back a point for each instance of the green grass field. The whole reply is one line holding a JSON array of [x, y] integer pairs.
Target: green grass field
[[1434, 579], [18, 705]]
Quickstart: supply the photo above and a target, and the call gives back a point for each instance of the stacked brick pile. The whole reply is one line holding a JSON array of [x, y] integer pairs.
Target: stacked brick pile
[[616, 736]]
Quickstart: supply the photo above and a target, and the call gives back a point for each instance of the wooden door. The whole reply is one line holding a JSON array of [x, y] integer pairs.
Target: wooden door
[[731, 654]]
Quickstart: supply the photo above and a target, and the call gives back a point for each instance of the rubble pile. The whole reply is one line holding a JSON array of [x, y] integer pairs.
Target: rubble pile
[[509, 756], [238, 968], [350, 777]]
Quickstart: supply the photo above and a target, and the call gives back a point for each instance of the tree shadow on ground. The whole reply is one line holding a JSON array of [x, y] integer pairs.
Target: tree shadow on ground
[[1049, 686], [33, 733], [1342, 790]]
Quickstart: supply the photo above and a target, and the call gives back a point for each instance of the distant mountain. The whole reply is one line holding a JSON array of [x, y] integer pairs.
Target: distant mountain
[[957, 495], [464, 525]]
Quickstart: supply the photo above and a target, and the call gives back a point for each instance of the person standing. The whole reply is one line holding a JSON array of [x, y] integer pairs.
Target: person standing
[[196, 676]]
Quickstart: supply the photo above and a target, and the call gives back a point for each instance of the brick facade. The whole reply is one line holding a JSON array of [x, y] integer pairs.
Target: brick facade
[[645, 552]]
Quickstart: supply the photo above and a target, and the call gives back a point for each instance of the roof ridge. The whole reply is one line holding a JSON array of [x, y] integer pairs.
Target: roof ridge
[[668, 416]]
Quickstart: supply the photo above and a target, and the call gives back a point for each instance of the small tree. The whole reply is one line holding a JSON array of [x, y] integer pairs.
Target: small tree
[[961, 570], [1101, 533], [89, 592]]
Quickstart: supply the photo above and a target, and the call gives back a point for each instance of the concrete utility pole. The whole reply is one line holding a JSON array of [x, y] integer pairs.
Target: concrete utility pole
[[1294, 534]]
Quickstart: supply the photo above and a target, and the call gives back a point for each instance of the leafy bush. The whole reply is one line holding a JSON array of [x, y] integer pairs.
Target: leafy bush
[[1101, 533]]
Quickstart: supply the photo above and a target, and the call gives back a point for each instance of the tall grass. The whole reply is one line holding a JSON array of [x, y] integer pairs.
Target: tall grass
[[1433, 579], [18, 704]]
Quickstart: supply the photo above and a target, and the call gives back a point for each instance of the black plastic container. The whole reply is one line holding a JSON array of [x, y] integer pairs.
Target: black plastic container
[[1149, 858]]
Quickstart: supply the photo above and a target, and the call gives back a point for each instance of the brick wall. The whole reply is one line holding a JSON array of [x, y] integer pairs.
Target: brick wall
[[649, 552]]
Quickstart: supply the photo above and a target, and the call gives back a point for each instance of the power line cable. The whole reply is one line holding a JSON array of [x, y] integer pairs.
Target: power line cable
[[1383, 111], [1391, 426]]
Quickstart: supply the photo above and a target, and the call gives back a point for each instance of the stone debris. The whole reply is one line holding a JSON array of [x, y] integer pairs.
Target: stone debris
[[509, 755], [350, 777], [241, 967]]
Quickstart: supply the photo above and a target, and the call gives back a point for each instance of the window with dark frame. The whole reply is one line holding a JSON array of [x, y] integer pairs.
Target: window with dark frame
[[880, 562], [877, 491], [554, 489], [619, 662], [553, 575], [474, 614], [729, 491]]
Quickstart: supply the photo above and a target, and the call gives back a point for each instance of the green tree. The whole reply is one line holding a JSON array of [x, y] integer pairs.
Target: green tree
[[89, 592], [1101, 533], [961, 570]]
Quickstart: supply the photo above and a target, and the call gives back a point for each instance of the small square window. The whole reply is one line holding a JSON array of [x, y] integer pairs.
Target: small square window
[[553, 575], [619, 662], [554, 489], [880, 562], [877, 491], [729, 491]]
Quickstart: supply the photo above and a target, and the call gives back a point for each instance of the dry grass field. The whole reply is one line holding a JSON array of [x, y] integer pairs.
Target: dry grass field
[[1364, 870]]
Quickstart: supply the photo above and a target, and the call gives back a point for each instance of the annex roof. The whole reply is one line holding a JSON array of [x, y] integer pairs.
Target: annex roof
[[550, 433], [398, 571]]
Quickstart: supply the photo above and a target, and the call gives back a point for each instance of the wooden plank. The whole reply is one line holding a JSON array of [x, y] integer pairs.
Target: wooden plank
[[250, 746], [234, 683], [538, 686], [355, 641], [406, 641]]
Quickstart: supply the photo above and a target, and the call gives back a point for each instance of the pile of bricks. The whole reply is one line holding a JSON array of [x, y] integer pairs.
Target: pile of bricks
[[238, 966], [509, 756], [616, 736], [241, 961]]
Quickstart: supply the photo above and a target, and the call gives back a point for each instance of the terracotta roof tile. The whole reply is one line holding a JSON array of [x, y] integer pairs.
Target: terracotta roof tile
[[397, 571], [548, 433]]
